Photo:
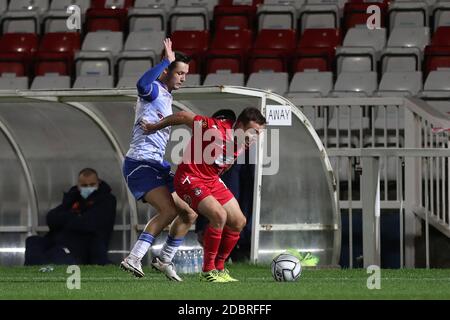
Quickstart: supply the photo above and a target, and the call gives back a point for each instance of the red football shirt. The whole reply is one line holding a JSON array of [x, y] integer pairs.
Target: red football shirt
[[211, 150]]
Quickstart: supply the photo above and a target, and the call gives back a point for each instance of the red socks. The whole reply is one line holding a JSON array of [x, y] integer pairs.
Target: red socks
[[211, 244], [229, 240]]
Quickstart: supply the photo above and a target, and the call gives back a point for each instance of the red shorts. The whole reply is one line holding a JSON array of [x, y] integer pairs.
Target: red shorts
[[193, 189]]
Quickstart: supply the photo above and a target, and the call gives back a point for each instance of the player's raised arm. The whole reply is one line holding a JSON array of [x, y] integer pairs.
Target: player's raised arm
[[179, 118], [145, 84]]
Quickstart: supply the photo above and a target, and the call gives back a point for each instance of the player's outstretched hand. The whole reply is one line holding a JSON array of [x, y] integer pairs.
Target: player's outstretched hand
[[168, 53], [148, 127]]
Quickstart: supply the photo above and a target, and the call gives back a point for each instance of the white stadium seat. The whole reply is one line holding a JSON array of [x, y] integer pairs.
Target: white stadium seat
[[147, 19], [189, 18], [297, 4], [40, 6], [208, 4], [319, 16], [103, 41], [311, 84], [401, 60], [400, 84], [127, 82], [167, 4], [438, 80], [51, 82], [64, 4], [411, 14], [192, 80], [11, 82], [93, 82], [273, 81], [364, 37], [355, 84], [354, 59], [3, 6], [441, 15], [146, 41], [20, 22], [223, 79], [276, 17], [418, 37]]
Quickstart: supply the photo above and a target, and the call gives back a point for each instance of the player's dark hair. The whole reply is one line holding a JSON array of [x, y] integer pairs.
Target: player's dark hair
[[227, 114], [88, 172], [251, 114], [179, 57]]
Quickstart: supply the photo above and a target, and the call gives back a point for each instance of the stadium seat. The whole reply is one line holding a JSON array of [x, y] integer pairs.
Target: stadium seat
[[441, 37], [272, 51], [102, 19], [192, 43], [436, 57], [98, 51], [50, 82], [441, 15], [320, 59], [188, 18], [438, 80], [60, 42], [276, 17], [400, 84], [400, 60], [3, 6], [253, 3], [166, 4], [355, 59], [355, 13], [364, 37], [17, 51], [93, 82], [39, 6], [319, 16], [311, 84], [192, 80], [229, 17], [147, 19], [141, 51], [276, 82], [127, 82], [62, 5], [320, 38], [224, 79], [232, 46], [418, 37], [113, 4], [20, 22], [208, 4], [103, 41], [11, 82], [146, 41], [297, 4], [408, 15], [358, 84]]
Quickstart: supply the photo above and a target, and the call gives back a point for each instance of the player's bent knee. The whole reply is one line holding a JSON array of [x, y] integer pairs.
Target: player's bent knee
[[188, 217], [219, 217]]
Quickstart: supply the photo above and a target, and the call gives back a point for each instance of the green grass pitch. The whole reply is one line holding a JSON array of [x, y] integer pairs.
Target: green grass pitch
[[256, 283]]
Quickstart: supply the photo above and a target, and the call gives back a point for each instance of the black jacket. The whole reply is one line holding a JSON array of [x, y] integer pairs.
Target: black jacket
[[84, 226]]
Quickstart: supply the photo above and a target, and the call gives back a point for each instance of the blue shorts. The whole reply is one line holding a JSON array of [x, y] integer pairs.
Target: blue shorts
[[144, 176]]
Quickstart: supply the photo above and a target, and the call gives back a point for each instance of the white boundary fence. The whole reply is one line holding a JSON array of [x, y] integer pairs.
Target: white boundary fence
[[401, 146]]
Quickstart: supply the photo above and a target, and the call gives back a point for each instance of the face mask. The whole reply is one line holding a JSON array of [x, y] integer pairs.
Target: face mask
[[87, 191]]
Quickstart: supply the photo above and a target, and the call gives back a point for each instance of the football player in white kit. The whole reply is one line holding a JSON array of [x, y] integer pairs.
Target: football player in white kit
[[147, 174]]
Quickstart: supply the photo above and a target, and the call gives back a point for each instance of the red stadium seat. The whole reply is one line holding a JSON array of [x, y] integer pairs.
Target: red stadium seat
[[234, 17], [13, 63], [23, 43], [60, 42], [17, 51], [106, 19], [56, 53], [436, 57], [232, 46], [320, 38], [232, 39], [313, 58], [441, 37], [193, 44], [272, 50], [117, 4], [356, 13]]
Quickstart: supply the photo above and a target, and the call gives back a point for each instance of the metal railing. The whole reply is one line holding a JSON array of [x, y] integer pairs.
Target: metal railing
[[389, 155]]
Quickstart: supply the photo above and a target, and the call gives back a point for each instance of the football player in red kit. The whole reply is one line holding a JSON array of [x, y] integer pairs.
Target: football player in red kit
[[213, 148]]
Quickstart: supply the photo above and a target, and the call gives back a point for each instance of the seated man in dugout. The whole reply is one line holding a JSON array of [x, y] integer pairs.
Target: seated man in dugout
[[80, 227]]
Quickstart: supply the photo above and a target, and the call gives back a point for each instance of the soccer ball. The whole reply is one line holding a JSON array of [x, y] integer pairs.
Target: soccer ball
[[286, 267]]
